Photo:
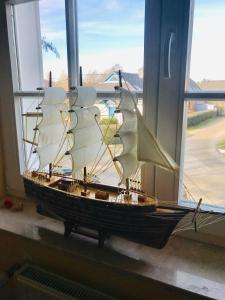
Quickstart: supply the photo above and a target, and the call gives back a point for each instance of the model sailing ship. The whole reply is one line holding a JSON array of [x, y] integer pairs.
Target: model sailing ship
[[77, 199]]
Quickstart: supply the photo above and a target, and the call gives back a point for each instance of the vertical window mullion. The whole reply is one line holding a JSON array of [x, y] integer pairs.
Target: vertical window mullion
[[175, 21], [165, 61], [151, 80], [72, 42]]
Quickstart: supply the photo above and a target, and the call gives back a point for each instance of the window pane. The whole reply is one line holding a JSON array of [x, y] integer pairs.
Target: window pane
[[204, 157], [111, 37], [53, 37], [208, 45]]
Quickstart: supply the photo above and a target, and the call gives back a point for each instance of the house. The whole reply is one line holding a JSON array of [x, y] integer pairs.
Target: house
[[212, 85], [107, 82], [134, 82], [129, 80], [197, 105]]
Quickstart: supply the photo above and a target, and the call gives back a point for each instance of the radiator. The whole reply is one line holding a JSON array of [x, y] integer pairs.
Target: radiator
[[35, 283]]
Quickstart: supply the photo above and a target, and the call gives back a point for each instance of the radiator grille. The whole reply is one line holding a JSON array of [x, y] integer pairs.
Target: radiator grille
[[36, 280]]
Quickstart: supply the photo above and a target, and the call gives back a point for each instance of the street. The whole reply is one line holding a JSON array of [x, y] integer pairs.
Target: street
[[204, 165]]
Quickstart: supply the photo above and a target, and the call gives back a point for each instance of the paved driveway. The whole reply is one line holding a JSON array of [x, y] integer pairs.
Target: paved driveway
[[204, 172]]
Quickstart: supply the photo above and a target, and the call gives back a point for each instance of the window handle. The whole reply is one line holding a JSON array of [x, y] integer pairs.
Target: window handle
[[167, 55]]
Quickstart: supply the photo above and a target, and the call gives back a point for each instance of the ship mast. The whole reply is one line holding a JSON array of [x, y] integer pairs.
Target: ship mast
[[85, 192], [127, 192], [50, 85]]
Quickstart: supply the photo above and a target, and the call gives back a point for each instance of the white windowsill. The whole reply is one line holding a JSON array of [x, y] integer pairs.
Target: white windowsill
[[183, 263]]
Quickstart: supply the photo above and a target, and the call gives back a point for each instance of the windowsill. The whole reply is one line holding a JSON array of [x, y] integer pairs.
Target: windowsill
[[206, 207], [211, 232], [183, 263]]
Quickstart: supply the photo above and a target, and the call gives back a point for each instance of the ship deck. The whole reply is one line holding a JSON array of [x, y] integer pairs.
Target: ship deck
[[115, 195]]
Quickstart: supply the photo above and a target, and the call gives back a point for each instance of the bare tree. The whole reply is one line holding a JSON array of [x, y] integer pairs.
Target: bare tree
[[49, 46]]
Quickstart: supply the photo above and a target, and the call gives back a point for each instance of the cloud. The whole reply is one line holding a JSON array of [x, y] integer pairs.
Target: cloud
[[57, 66], [50, 6], [55, 35], [111, 29], [208, 48], [113, 5], [131, 59]]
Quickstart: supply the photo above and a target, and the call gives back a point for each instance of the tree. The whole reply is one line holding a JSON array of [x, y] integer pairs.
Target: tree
[[49, 46]]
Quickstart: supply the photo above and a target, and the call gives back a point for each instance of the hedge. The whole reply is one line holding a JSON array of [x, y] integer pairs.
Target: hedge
[[108, 121], [108, 132], [199, 117]]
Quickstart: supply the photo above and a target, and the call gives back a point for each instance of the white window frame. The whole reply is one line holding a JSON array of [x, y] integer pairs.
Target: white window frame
[[155, 181], [170, 131]]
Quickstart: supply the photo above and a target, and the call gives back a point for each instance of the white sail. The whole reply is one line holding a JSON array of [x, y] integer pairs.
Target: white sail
[[128, 135], [82, 96], [51, 128], [150, 150], [128, 100], [84, 117], [87, 137], [139, 145], [53, 96]]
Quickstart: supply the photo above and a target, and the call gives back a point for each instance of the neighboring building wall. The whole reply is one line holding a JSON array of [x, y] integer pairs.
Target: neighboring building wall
[[212, 85], [191, 106]]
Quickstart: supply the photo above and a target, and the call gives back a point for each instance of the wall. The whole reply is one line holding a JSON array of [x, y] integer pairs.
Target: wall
[[2, 179], [13, 180]]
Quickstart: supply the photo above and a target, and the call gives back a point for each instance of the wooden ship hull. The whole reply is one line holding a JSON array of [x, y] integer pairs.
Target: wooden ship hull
[[148, 224]]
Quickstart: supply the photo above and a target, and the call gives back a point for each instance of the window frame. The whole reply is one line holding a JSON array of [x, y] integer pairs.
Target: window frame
[[152, 64], [153, 108]]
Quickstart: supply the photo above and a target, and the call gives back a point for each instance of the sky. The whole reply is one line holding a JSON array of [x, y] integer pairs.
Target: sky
[[112, 32], [208, 40]]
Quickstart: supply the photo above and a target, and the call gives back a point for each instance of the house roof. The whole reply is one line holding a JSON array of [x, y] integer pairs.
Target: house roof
[[108, 82], [193, 86], [210, 85], [132, 79]]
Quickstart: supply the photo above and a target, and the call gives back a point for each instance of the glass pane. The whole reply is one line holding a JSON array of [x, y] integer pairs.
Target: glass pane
[[53, 39], [103, 169], [208, 46], [106, 171], [204, 156], [32, 116], [111, 37]]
